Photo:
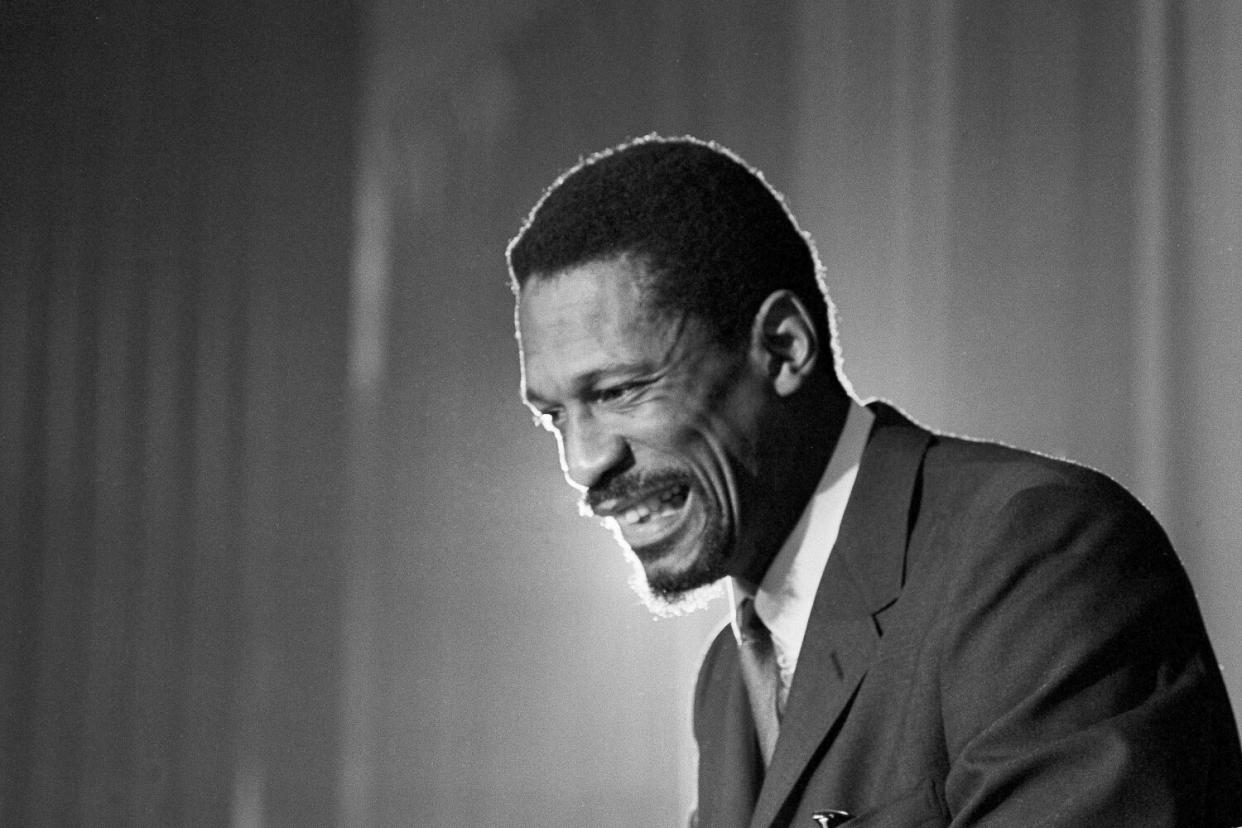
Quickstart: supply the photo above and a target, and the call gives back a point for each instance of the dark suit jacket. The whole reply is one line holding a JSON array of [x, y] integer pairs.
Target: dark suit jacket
[[999, 638]]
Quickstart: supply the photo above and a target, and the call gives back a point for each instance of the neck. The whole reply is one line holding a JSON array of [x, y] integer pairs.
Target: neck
[[801, 445]]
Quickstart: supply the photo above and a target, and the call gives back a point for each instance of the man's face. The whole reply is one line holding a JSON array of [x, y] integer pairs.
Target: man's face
[[658, 425]]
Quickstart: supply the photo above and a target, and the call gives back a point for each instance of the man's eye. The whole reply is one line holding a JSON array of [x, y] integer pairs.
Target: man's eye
[[613, 392]]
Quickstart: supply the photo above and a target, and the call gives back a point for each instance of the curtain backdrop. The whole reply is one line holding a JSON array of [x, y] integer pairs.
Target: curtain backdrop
[[175, 225]]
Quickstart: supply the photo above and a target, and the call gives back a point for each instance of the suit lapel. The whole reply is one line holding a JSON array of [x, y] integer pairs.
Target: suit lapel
[[863, 576]]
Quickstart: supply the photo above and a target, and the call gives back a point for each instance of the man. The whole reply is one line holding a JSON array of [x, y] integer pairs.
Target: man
[[928, 631]]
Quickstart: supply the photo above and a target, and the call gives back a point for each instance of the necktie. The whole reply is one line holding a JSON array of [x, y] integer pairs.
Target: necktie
[[761, 676]]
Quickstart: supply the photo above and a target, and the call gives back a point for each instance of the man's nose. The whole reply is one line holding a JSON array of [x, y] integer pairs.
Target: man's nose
[[589, 450]]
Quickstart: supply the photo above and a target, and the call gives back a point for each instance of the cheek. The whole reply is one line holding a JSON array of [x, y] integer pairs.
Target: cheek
[[731, 444], [697, 434], [733, 415], [717, 427], [722, 458]]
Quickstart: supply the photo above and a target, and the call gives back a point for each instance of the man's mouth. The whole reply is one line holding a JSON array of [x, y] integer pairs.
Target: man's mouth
[[651, 517], [660, 504]]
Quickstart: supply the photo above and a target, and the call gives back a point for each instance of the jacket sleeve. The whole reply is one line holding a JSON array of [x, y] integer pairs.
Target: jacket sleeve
[[1078, 685]]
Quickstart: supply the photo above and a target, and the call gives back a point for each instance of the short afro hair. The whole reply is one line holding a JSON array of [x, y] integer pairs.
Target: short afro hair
[[715, 238]]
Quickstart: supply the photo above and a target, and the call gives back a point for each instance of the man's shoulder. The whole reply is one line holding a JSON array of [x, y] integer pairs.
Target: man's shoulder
[[957, 464], [981, 477], [990, 516], [985, 507]]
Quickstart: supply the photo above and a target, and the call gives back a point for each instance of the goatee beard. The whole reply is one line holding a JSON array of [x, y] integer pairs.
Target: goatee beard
[[672, 604], [669, 594]]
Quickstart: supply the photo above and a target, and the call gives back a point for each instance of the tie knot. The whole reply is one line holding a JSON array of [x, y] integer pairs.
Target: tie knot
[[750, 625]]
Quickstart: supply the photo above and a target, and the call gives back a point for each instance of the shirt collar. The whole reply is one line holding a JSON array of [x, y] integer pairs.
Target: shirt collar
[[785, 596]]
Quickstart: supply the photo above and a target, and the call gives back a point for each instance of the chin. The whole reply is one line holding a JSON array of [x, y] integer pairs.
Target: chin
[[666, 600], [670, 585]]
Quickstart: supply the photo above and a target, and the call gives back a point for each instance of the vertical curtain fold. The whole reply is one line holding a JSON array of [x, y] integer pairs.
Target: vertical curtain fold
[[174, 242]]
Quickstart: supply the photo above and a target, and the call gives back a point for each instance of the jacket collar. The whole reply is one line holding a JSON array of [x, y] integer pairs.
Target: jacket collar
[[863, 577]]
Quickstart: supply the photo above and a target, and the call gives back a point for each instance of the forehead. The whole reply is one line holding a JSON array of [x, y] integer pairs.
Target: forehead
[[589, 319]]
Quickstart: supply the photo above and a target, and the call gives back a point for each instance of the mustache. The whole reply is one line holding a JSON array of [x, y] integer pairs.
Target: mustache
[[631, 486]]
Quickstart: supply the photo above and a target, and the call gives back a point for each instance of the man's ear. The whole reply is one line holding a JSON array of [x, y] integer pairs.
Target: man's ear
[[783, 338]]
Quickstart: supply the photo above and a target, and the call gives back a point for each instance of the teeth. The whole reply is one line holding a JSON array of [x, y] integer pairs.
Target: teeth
[[666, 502]]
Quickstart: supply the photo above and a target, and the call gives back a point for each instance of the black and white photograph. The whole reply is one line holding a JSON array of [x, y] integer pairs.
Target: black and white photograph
[[621, 413]]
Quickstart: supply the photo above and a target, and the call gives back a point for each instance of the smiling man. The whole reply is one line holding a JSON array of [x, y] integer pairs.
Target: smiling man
[[696, 454], [927, 630]]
